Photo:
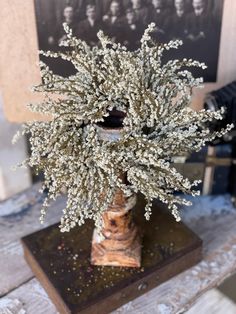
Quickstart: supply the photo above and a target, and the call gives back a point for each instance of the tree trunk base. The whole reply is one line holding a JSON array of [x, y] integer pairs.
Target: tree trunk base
[[126, 257], [119, 243]]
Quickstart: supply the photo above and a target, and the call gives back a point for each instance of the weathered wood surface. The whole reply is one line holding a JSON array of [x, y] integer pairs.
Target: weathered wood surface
[[213, 301], [212, 218], [11, 306], [20, 216]]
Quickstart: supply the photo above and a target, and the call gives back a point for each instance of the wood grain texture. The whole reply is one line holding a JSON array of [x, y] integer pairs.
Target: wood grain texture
[[33, 297], [215, 302], [11, 306], [121, 243], [18, 57], [212, 218]]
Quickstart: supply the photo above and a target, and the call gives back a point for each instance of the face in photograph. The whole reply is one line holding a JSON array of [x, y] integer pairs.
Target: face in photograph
[[157, 3], [130, 16], [179, 5], [91, 12], [198, 5], [137, 4], [115, 8], [68, 13]]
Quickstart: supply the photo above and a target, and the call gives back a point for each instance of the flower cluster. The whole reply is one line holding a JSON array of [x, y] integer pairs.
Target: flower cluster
[[158, 125]]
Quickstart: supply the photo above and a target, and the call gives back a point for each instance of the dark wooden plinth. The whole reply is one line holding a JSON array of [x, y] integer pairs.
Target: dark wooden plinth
[[61, 262]]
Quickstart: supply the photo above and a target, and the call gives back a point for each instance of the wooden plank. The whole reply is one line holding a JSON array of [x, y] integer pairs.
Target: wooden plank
[[18, 217], [215, 302], [14, 269], [33, 298], [11, 306]]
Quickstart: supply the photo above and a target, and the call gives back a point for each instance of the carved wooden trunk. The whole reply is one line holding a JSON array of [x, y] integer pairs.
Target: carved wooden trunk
[[119, 243]]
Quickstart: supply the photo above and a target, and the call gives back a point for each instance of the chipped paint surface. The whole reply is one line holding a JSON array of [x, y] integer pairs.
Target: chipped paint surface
[[11, 306], [20, 203], [206, 206], [20, 216], [34, 298]]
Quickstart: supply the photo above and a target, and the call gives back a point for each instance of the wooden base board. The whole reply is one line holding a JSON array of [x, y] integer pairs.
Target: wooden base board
[[61, 262]]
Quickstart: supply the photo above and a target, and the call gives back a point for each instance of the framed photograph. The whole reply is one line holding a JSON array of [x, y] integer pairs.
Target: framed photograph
[[207, 28], [196, 22]]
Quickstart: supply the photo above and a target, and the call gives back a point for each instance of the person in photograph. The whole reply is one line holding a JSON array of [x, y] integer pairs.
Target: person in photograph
[[102, 7], [58, 34], [132, 30], [158, 14], [105, 6], [199, 23], [68, 18], [87, 29], [175, 24], [113, 21], [140, 10], [201, 38]]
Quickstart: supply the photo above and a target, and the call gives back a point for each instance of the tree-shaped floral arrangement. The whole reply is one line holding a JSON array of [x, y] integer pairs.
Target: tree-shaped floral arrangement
[[115, 126]]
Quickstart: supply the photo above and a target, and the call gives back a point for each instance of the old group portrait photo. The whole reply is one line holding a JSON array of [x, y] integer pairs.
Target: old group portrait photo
[[196, 22]]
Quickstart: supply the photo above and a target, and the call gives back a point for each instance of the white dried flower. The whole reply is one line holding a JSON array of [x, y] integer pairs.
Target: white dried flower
[[158, 125]]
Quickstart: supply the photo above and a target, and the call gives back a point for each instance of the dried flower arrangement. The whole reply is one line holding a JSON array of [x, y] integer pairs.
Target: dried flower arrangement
[[158, 124]]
